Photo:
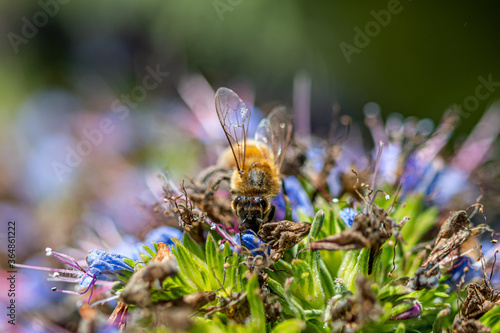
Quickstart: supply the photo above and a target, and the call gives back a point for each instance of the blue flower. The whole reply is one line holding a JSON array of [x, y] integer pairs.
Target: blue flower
[[102, 266], [347, 215], [105, 266], [280, 205], [163, 234], [457, 272], [447, 184], [297, 197], [389, 163], [251, 241]]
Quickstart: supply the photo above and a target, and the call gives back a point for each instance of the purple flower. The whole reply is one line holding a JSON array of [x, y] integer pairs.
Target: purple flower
[[411, 313]]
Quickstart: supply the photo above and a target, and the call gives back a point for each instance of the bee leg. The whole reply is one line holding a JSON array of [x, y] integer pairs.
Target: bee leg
[[270, 214], [212, 172], [216, 185], [242, 228], [211, 191]]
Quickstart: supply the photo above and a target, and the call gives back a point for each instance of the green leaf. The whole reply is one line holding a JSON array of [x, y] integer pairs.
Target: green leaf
[[492, 319], [443, 315], [401, 328], [202, 325], [314, 325], [191, 245], [354, 263], [256, 304], [289, 326], [420, 225], [192, 267], [316, 227], [276, 287], [149, 251], [215, 262], [288, 208], [293, 304], [130, 262], [389, 291], [326, 277], [303, 285]]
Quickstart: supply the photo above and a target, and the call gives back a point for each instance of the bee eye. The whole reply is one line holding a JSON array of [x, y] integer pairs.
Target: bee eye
[[235, 205], [237, 200], [263, 204]]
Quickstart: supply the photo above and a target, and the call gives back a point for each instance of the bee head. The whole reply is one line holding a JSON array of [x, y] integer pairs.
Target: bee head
[[250, 208]]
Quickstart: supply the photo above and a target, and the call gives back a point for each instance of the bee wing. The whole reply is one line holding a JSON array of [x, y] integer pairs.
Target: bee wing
[[275, 131], [234, 116]]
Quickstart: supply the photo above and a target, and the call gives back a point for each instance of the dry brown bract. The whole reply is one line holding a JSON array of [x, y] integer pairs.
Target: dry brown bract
[[283, 235], [176, 314], [235, 307], [352, 313], [368, 230], [138, 289], [480, 299], [91, 319], [455, 231], [463, 325], [190, 217], [119, 316]]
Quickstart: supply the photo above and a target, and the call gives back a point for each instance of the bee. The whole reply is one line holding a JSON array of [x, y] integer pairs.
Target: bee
[[256, 163]]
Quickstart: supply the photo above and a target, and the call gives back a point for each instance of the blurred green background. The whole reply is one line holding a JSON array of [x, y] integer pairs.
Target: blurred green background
[[428, 57]]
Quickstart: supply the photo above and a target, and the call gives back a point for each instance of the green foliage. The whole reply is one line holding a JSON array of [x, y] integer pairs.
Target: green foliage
[[492, 319], [307, 283]]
